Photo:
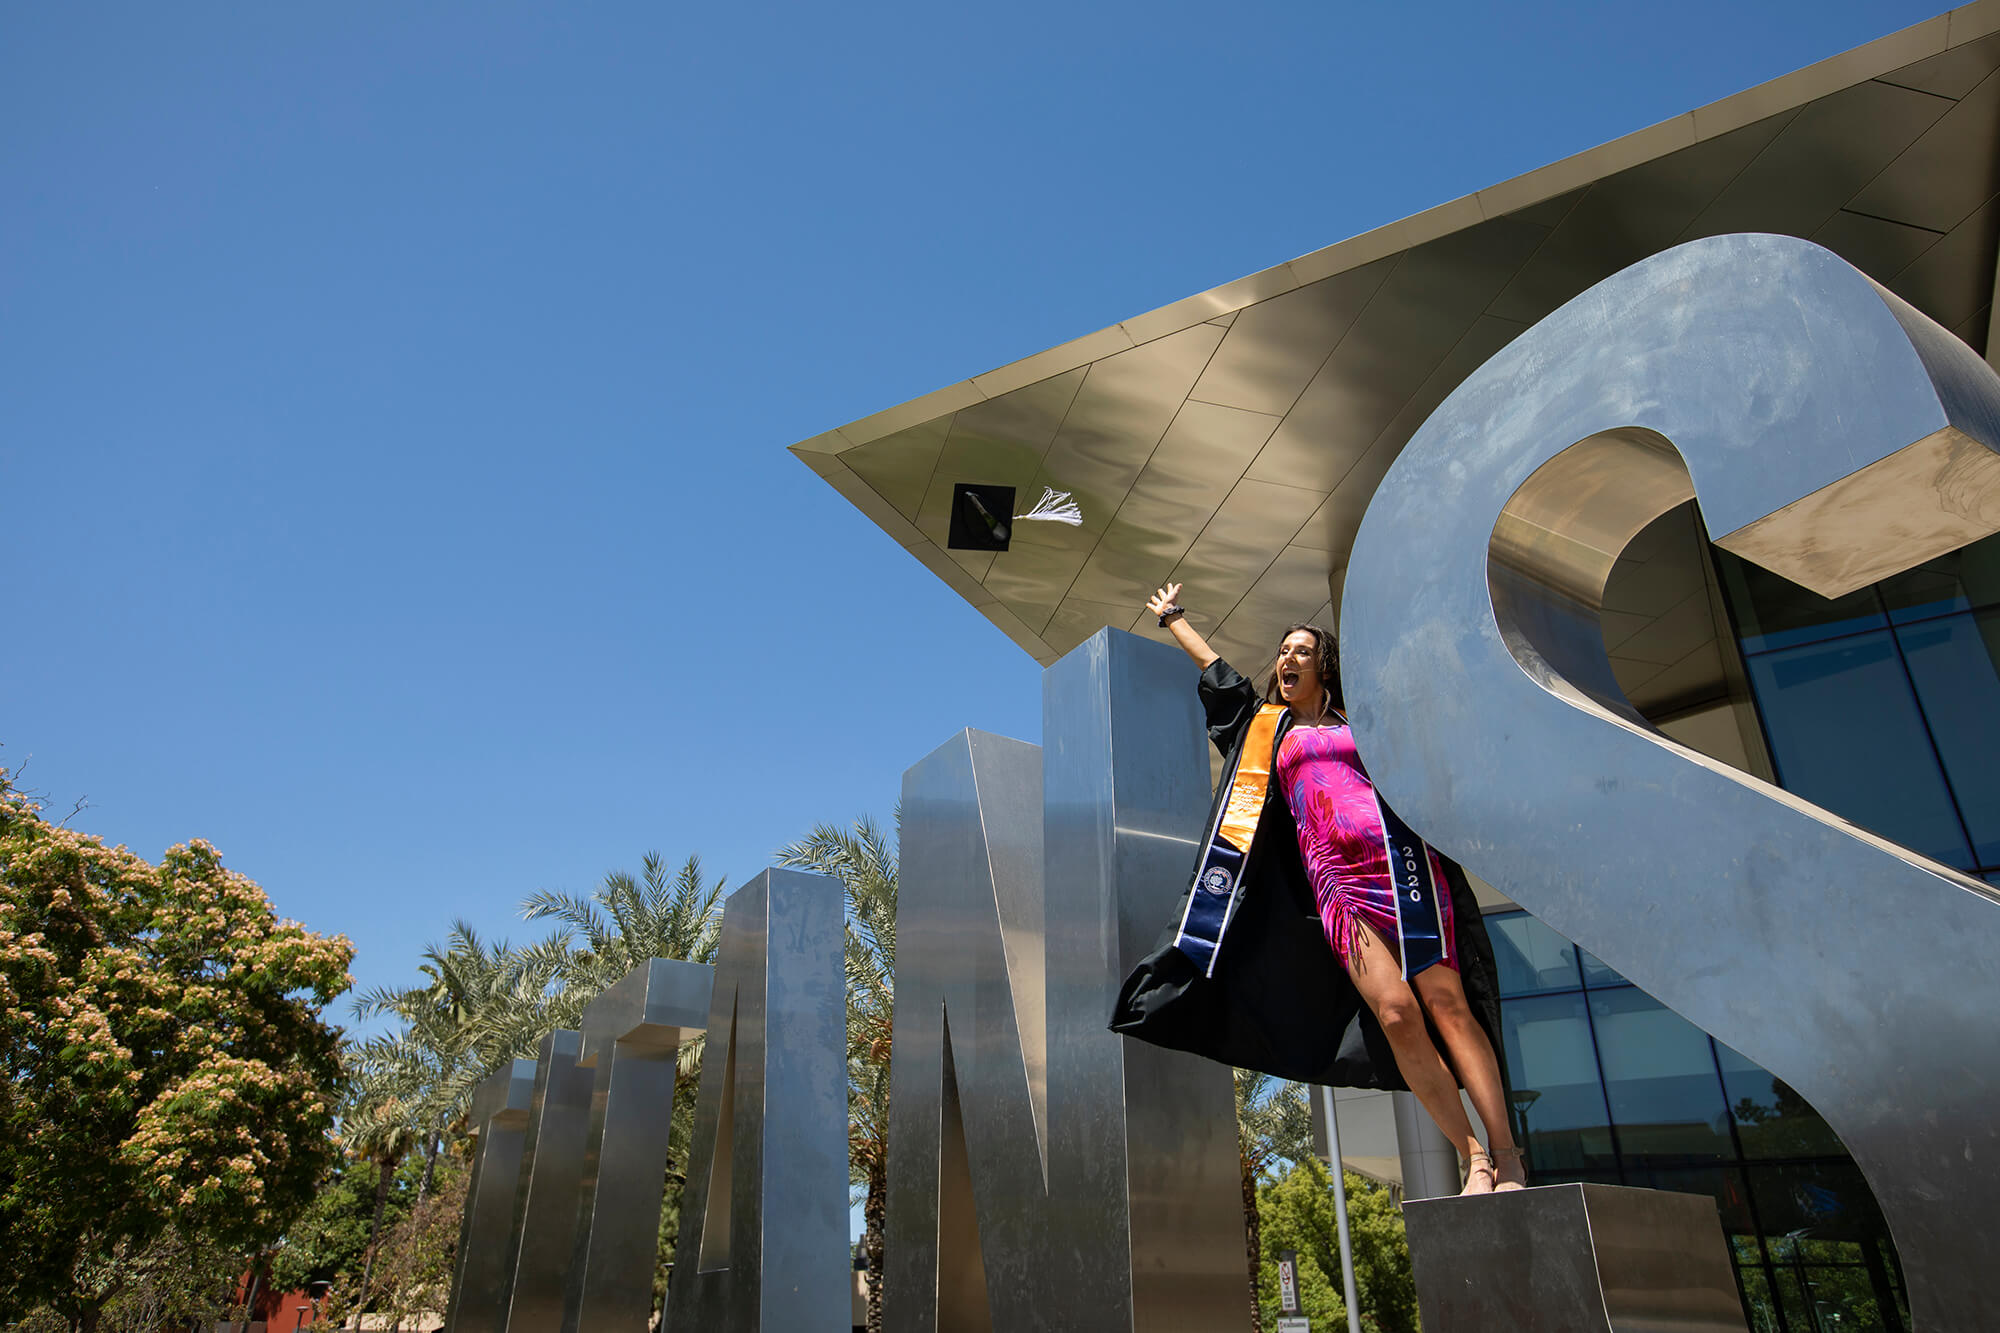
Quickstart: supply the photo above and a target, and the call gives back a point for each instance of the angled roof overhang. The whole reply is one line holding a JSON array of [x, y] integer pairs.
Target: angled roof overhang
[[1230, 441]]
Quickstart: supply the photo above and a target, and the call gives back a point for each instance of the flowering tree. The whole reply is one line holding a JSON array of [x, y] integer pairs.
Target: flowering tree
[[162, 1060]]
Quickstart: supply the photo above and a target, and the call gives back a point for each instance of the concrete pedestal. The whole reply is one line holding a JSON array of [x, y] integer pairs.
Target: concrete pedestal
[[1572, 1259]]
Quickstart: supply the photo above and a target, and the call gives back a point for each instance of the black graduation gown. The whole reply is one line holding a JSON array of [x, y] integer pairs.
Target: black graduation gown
[[1279, 1000]]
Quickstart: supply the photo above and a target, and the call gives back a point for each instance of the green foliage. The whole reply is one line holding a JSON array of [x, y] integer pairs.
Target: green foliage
[[331, 1236], [481, 1004], [411, 1278], [172, 1281], [163, 1066], [1296, 1213]]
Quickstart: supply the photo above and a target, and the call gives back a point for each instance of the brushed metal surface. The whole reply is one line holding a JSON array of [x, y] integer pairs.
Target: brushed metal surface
[[1135, 1132], [498, 1118], [1043, 1173], [968, 1106], [632, 1034], [543, 1239], [1885, 154], [1572, 1259], [763, 1240], [1483, 702]]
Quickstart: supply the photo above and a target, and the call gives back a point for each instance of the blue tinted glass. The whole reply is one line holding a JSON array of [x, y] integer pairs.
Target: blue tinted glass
[[1817, 1212], [1845, 735], [1558, 1103], [1660, 1078], [1967, 579], [1771, 1119], [1952, 662], [1773, 612], [1596, 972], [1531, 957]]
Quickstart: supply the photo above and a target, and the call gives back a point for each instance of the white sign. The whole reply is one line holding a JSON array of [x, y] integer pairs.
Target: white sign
[[1295, 1324], [1288, 1282]]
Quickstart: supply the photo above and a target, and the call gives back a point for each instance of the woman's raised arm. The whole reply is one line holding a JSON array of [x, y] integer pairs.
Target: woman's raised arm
[[1166, 605]]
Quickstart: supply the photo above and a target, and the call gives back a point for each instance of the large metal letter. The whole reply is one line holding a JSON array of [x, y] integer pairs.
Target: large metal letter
[[1833, 434], [544, 1233], [1044, 1173], [968, 1111], [632, 1034], [499, 1118], [1142, 1140], [763, 1242]]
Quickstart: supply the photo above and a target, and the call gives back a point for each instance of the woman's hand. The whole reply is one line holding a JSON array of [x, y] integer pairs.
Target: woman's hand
[[1168, 599]]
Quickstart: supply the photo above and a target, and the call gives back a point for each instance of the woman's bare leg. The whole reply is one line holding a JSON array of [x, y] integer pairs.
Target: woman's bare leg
[[1442, 995], [1379, 977]]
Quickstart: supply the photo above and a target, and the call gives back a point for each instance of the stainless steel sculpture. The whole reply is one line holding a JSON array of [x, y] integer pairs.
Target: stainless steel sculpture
[[1833, 434], [1042, 1172], [632, 1035], [544, 1231], [763, 1239], [1580, 1258], [499, 1120]]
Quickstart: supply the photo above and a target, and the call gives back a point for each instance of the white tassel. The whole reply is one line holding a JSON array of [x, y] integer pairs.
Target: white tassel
[[1054, 507]]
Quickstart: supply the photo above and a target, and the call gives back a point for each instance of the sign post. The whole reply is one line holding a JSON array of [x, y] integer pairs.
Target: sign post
[[1333, 1170]]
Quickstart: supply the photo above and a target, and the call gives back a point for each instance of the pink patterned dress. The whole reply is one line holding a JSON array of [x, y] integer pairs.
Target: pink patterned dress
[[1341, 839]]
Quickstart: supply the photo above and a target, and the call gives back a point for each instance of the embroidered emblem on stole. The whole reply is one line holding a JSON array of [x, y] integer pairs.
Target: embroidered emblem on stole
[[1218, 881]]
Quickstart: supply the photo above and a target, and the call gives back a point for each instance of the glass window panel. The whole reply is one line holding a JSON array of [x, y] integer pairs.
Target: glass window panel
[[1724, 1184], [1531, 957], [1955, 663], [1815, 1211], [1791, 1294], [1845, 1298], [1771, 1119], [1966, 579], [1846, 736], [1757, 1300], [1596, 972], [1747, 1249], [1661, 1082], [1773, 612], [1558, 1102]]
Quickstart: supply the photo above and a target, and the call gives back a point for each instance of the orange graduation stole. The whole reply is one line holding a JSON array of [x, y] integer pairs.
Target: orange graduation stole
[[1219, 879]]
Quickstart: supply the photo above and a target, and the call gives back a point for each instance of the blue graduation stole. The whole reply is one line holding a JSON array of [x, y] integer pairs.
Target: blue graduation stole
[[1218, 880], [1419, 895]]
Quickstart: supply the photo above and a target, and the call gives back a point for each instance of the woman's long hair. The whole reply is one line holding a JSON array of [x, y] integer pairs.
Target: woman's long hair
[[1326, 657]]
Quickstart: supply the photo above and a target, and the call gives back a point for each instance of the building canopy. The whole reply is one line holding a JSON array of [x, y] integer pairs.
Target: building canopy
[[1230, 441]]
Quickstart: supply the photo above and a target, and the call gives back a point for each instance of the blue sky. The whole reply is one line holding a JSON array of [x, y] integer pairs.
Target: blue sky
[[394, 399]]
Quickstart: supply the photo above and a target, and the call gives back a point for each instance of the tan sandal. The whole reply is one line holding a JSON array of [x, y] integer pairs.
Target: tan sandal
[[1479, 1175], [1511, 1170]]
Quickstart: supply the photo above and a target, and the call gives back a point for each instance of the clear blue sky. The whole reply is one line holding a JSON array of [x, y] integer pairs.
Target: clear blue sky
[[394, 398]]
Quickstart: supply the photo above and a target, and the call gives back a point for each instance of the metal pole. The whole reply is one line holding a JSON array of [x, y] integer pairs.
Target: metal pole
[[1334, 1170]]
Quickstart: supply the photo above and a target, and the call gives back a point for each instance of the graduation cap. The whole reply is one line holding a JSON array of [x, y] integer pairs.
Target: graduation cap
[[983, 517]]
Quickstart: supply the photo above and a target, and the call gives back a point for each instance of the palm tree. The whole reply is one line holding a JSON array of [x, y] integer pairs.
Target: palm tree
[[378, 1126], [599, 939], [865, 864], [479, 1006], [626, 922], [1273, 1123]]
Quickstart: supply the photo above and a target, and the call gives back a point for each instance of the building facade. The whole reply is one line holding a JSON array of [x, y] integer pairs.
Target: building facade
[[1231, 442]]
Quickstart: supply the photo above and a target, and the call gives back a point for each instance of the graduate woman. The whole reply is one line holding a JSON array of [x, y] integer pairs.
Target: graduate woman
[[1321, 940]]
